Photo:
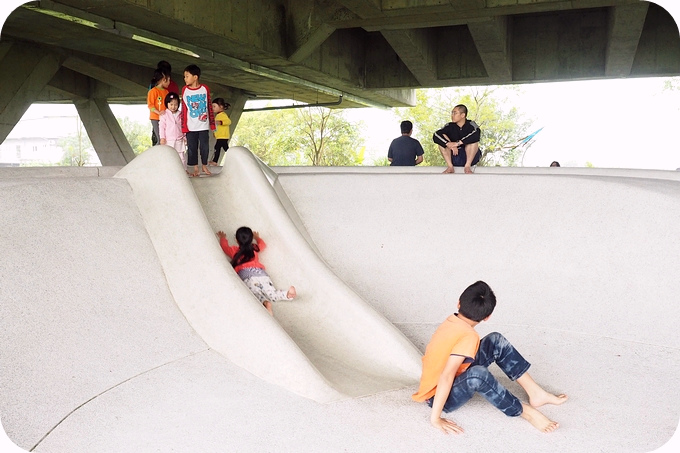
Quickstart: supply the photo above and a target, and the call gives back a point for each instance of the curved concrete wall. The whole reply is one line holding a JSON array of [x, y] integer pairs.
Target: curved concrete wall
[[585, 252], [326, 344]]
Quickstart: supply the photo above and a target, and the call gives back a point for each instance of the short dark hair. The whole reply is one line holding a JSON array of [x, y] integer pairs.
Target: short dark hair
[[406, 127], [477, 301], [193, 70], [461, 108], [555, 164], [170, 97]]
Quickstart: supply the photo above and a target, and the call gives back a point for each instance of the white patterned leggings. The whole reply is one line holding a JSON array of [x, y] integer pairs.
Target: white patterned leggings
[[263, 288]]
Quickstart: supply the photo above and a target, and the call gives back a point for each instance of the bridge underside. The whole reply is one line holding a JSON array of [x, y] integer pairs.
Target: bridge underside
[[362, 52]]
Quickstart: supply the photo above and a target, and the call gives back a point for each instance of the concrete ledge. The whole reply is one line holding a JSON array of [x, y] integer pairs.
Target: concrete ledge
[[57, 172]]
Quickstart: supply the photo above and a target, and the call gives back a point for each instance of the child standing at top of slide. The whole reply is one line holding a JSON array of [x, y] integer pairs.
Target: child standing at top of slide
[[155, 100], [197, 118], [170, 127], [244, 259], [222, 133]]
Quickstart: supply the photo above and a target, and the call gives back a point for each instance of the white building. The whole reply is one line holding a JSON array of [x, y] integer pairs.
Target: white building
[[34, 140]]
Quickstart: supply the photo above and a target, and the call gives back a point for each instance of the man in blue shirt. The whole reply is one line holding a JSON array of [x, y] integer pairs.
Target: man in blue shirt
[[405, 150]]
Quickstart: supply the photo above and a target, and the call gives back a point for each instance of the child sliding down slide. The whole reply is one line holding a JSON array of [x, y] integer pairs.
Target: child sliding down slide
[[244, 259]]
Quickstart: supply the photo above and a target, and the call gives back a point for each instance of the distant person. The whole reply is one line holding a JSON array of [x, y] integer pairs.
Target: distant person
[[455, 367], [222, 132], [166, 69], [405, 150], [458, 141], [155, 101], [170, 127], [555, 164], [197, 118], [244, 259]]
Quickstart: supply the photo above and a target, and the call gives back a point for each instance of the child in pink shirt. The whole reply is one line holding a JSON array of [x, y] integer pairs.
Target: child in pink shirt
[[170, 127]]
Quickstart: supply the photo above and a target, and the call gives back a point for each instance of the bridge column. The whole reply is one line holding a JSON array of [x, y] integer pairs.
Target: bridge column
[[106, 135], [27, 71]]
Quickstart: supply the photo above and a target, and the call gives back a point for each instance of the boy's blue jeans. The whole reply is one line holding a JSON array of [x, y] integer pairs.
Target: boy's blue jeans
[[477, 378]]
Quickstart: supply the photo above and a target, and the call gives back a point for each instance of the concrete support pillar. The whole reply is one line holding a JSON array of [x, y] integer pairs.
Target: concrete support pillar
[[31, 70], [105, 133]]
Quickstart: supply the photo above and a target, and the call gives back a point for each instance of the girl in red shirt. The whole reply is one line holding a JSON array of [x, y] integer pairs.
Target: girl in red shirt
[[244, 259]]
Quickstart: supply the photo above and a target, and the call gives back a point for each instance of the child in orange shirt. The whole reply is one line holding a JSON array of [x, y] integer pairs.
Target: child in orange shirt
[[244, 259], [155, 100], [456, 361]]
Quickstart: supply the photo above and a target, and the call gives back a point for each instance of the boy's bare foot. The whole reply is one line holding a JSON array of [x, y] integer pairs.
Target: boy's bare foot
[[211, 163], [538, 399], [538, 420], [195, 172], [291, 293], [468, 170], [205, 170], [537, 396], [449, 170]]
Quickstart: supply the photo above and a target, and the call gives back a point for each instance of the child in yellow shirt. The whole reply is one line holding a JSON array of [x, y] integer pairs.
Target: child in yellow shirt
[[222, 133]]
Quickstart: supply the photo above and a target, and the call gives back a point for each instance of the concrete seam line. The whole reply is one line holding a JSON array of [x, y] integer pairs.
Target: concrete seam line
[[111, 388]]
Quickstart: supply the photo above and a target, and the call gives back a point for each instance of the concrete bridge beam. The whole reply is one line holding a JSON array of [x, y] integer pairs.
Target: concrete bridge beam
[[416, 49], [625, 27], [97, 72], [31, 70], [491, 39]]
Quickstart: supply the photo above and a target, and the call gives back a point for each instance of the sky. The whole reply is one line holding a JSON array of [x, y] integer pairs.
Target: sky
[[627, 123]]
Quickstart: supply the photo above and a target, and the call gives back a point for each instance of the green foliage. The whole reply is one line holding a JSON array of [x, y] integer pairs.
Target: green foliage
[[138, 134], [502, 127], [77, 148], [672, 84], [306, 136], [381, 162]]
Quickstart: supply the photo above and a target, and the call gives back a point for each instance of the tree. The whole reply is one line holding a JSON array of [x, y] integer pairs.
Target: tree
[[502, 128], [270, 136], [328, 138], [138, 134], [671, 84], [305, 136], [76, 148]]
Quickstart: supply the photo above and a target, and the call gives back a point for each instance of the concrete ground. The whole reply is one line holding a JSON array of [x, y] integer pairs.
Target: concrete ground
[[102, 351]]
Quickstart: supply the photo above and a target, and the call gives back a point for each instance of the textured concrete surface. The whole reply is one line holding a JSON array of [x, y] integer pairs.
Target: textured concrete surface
[[95, 354]]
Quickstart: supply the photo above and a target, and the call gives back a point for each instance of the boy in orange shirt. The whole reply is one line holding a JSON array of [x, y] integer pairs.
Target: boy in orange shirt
[[456, 361]]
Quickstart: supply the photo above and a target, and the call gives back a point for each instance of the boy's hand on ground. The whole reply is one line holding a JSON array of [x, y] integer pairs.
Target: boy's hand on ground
[[256, 235], [221, 235], [446, 426]]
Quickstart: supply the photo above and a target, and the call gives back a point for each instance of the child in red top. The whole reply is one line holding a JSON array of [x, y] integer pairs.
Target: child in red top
[[244, 259]]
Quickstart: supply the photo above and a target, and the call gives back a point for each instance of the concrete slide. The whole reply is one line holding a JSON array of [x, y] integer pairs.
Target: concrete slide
[[326, 345]]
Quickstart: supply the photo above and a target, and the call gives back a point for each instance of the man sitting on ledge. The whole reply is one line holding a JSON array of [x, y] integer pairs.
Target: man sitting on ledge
[[459, 141]]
